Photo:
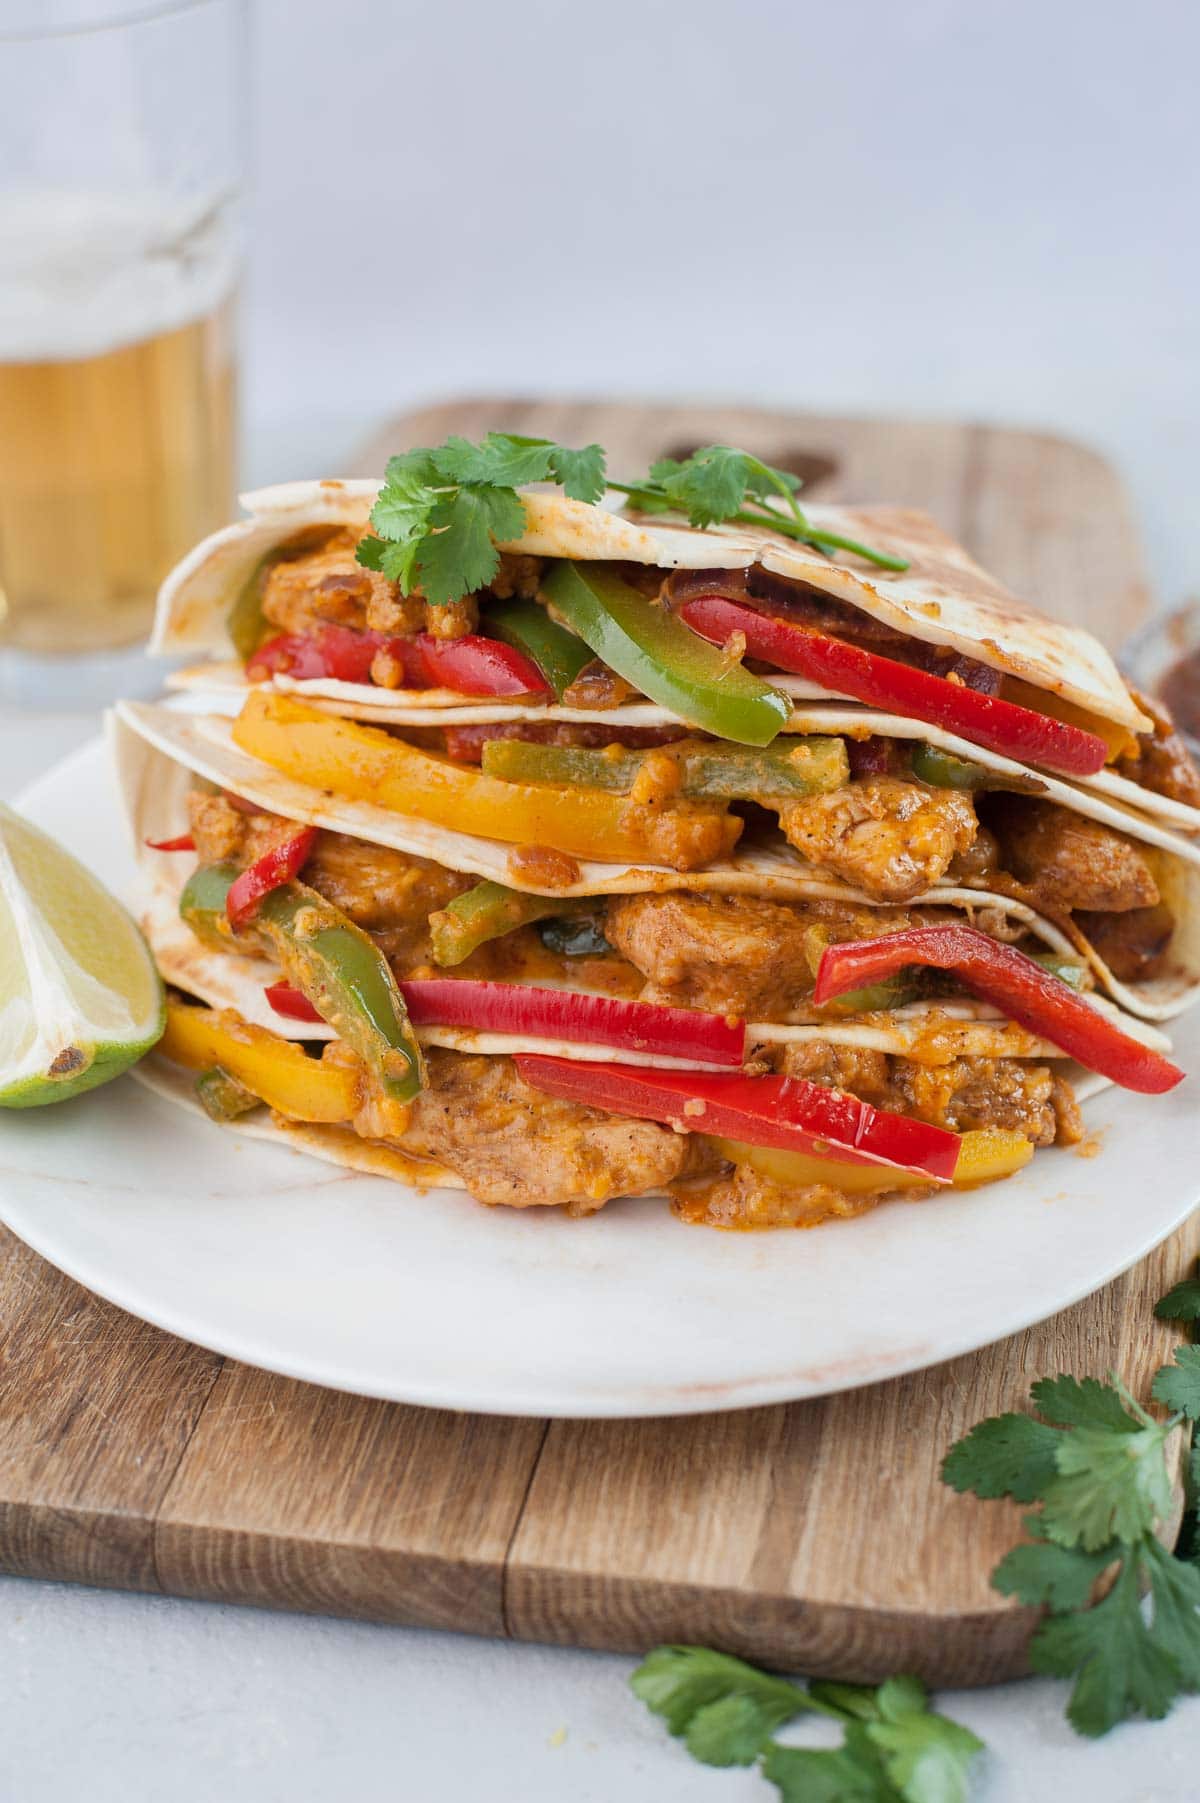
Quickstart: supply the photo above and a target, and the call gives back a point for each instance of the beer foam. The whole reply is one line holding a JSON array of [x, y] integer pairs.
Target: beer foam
[[87, 273]]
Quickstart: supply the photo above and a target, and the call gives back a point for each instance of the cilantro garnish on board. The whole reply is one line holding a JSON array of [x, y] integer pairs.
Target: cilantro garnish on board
[[1122, 1613], [441, 512], [1096, 1462], [894, 1748]]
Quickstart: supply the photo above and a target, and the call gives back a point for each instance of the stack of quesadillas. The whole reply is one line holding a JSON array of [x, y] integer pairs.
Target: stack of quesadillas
[[672, 861]]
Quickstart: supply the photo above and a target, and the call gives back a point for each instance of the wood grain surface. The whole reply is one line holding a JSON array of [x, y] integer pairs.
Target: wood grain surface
[[816, 1536]]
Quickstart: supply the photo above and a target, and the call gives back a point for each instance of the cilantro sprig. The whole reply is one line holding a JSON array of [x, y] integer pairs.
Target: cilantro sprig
[[442, 511], [719, 483], [894, 1749], [1095, 1461]]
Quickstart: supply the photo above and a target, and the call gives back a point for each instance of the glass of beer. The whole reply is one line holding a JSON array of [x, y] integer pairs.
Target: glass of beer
[[121, 131]]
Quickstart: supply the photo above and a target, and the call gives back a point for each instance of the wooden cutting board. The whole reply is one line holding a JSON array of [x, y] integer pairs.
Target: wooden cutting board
[[815, 1536]]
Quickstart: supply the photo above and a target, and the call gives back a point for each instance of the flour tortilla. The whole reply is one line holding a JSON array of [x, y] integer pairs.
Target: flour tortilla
[[943, 597], [158, 748]]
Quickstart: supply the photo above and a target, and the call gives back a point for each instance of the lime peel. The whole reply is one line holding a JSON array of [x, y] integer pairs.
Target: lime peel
[[80, 997]]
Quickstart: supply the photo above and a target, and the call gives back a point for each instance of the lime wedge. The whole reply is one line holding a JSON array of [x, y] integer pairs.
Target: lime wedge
[[80, 999]]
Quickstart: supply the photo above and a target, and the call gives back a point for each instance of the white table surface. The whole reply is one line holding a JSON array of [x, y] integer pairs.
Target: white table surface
[[115, 1698]]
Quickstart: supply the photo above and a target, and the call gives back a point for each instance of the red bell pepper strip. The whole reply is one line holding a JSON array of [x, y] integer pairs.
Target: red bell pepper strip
[[631, 1027], [471, 665], [787, 1112], [988, 720], [1022, 989], [184, 842], [277, 866], [291, 1002], [474, 665]]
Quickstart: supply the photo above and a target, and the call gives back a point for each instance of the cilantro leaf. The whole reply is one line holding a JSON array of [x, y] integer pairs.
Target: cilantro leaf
[[1110, 1486], [459, 554], [1062, 1577], [1178, 1387], [393, 561], [712, 484], [441, 511], [1175, 1590], [402, 507], [1182, 1303], [1009, 1455], [927, 1756], [852, 1773], [499, 460], [1119, 1667], [858, 1700], [1082, 1402], [724, 1709], [581, 473], [416, 466]]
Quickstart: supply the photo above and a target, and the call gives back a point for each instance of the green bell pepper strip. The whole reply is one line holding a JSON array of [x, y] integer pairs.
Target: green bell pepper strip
[[1064, 968], [809, 766], [488, 911], [647, 645], [877, 998], [246, 623], [202, 905], [348, 981], [340, 969], [222, 1097], [942, 770], [558, 654]]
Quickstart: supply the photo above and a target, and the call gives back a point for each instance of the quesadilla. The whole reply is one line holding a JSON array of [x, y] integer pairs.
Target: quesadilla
[[569, 1044], [777, 860]]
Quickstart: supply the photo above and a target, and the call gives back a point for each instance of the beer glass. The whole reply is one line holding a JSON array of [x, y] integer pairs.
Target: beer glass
[[120, 159]]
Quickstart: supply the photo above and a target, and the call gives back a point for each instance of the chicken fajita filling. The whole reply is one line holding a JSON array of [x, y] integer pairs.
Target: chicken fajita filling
[[711, 967]]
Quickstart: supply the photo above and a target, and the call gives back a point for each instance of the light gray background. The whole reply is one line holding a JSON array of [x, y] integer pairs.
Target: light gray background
[[976, 208]]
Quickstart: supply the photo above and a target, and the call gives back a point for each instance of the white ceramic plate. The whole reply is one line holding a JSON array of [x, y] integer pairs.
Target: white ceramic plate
[[367, 1286]]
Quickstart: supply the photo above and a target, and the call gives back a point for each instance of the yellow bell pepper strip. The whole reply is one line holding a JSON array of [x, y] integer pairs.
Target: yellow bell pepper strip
[[986, 1155], [364, 764], [800, 1170], [647, 645], [528, 628], [222, 1097], [279, 1072], [805, 766], [488, 911], [989, 1153]]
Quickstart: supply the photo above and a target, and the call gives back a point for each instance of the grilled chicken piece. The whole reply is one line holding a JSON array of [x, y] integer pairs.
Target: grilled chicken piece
[[514, 1146], [227, 834], [1134, 945], [890, 838], [734, 954], [1066, 861], [747, 1198], [327, 587], [390, 894], [963, 1094], [1162, 762]]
